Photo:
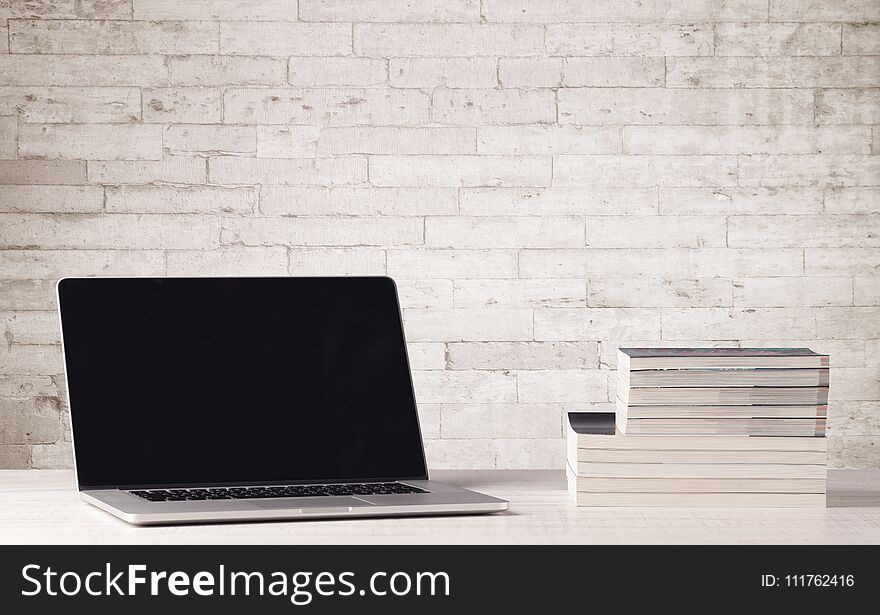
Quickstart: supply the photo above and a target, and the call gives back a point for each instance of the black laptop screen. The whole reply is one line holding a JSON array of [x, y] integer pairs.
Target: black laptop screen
[[238, 380]]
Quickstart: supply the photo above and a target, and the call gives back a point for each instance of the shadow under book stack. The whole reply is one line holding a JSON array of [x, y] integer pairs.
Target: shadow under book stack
[[706, 427]]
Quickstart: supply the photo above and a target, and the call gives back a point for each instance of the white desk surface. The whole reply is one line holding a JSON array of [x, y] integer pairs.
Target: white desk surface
[[42, 507]]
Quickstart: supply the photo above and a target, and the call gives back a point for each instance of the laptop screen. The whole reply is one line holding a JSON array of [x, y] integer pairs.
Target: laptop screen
[[238, 380]]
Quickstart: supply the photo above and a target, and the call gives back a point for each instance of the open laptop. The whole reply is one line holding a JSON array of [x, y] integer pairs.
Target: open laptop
[[236, 399]]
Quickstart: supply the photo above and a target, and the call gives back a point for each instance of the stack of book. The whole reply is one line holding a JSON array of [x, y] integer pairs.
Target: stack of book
[[706, 427]]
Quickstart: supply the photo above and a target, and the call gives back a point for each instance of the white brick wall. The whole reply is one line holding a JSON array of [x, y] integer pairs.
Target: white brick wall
[[545, 179]]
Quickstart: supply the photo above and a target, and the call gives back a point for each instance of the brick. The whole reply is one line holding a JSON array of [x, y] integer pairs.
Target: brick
[[397, 140], [854, 417], [655, 106], [459, 171], [71, 105], [184, 105], [866, 291], [848, 322], [499, 324], [574, 324], [425, 294], [389, 10], [334, 107], [746, 140], [819, 10], [852, 200], [557, 201], [90, 232], [693, 323], [356, 201], [452, 263], [463, 40], [848, 106], [81, 70], [29, 421], [663, 292], [8, 137], [285, 39], [660, 263], [777, 39], [519, 293], [530, 454], [306, 231], [813, 170], [112, 37], [26, 328], [227, 10], [444, 454], [740, 201], [522, 355], [861, 39], [542, 386], [175, 170], [26, 295], [232, 261], [548, 140], [428, 355], [500, 421], [51, 264], [42, 172], [435, 387], [58, 455], [732, 262], [337, 71], [539, 72], [203, 70], [792, 292], [4, 37], [504, 232], [617, 39], [442, 72], [298, 171], [644, 171], [177, 200], [51, 199], [186, 139], [287, 141], [92, 141], [31, 361], [475, 107], [337, 261], [541, 11], [783, 72], [858, 452], [656, 232], [613, 72], [830, 231], [841, 261], [27, 387], [66, 9]]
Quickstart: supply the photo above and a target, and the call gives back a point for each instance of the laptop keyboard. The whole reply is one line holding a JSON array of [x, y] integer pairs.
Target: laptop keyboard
[[274, 491]]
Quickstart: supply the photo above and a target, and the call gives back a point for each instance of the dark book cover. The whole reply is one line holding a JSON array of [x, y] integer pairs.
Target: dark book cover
[[596, 423]]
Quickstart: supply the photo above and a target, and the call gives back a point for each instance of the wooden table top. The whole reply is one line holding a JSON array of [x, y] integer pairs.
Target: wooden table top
[[42, 507]]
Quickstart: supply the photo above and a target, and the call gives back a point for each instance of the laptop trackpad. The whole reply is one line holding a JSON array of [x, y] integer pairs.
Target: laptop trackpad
[[337, 501]]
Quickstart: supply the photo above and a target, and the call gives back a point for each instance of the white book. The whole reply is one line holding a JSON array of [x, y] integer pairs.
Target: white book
[[721, 358], [605, 455], [723, 396], [723, 378], [721, 412], [700, 470]]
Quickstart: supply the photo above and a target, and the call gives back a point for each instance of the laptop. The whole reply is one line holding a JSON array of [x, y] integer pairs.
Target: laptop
[[199, 400]]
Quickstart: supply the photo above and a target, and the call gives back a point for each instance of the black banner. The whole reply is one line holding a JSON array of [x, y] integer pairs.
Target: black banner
[[328, 579]]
